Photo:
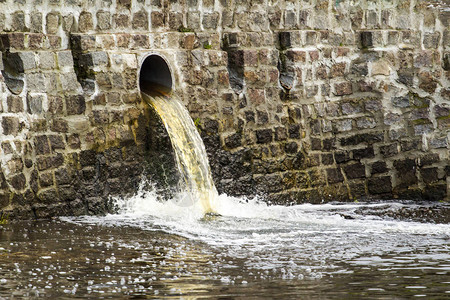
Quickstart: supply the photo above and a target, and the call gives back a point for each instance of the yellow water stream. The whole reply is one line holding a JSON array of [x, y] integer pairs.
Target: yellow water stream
[[190, 153]]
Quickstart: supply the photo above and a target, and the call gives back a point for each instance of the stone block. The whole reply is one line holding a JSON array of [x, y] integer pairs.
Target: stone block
[[366, 122], [338, 70], [46, 179], [435, 192], [379, 185], [69, 81], [356, 139], [296, 56], [436, 143], [75, 105], [421, 129], [175, 20], [274, 15], [327, 159], [410, 145], [379, 167], [65, 59], [446, 61], [103, 20], [294, 131], [140, 20], [380, 67], [264, 136], [280, 134], [68, 23], [227, 19], [52, 22], [285, 39], [55, 105], [124, 3], [73, 141], [291, 148], [429, 159], [427, 82], [210, 20], [429, 175], [157, 19], [401, 102], [21, 61], [343, 125], [87, 158], [321, 21], [48, 162], [359, 68], [366, 39], [256, 96], [290, 19], [14, 104], [18, 182], [140, 41], [389, 150], [363, 153], [334, 176], [423, 59], [233, 141], [59, 125], [321, 72], [406, 170], [99, 58], [34, 103], [354, 171], [393, 38], [36, 22], [56, 142], [431, 40], [18, 21], [344, 88], [341, 157], [121, 21], [46, 60], [85, 22], [42, 145]]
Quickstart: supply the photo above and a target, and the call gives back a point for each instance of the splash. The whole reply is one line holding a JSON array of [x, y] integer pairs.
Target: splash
[[196, 186]]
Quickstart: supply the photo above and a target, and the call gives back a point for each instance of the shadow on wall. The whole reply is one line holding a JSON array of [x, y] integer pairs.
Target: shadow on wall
[[12, 72]]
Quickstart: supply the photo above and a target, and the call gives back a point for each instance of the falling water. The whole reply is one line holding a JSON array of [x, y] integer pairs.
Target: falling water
[[192, 162]]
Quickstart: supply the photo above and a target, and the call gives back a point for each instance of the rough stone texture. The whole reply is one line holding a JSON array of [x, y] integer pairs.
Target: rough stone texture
[[297, 101]]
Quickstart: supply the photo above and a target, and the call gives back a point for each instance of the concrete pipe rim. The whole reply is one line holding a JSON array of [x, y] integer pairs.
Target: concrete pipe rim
[[155, 75]]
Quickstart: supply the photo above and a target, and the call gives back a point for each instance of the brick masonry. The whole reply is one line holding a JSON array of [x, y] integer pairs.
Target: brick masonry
[[298, 101]]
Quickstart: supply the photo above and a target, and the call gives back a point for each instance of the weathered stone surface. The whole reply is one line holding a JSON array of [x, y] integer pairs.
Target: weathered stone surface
[[103, 20], [140, 20], [334, 176], [354, 171], [380, 185], [264, 136], [85, 22], [342, 89], [75, 105], [11, 125], [52, 22]]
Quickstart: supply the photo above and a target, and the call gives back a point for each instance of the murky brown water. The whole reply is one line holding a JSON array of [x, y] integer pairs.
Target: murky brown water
[[308, 252]]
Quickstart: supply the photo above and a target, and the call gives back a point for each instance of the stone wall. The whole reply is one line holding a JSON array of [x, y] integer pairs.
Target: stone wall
[[297, 101]]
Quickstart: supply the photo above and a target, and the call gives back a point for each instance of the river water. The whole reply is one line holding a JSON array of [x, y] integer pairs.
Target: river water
[[156, 249]]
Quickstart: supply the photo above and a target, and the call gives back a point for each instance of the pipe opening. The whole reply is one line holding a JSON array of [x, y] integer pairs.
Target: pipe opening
[[155, 78]]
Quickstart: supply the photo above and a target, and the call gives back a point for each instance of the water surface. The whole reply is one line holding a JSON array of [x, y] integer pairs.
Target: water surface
[[155, 249]]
